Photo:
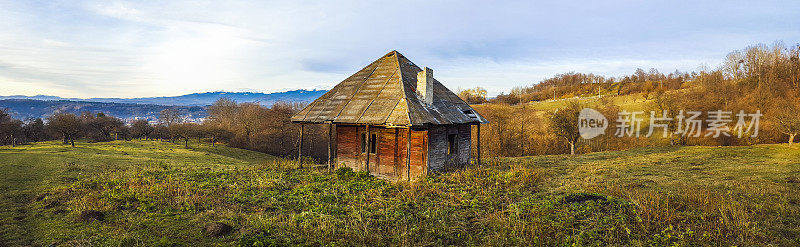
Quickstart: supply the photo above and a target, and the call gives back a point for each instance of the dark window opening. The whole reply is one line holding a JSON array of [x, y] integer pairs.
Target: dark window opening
[[451, 141], [363, 142], [372, 144], [470, 114]]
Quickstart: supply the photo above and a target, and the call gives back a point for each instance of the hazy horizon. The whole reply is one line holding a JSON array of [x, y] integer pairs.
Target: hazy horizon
[[128, 49], [165, 96]]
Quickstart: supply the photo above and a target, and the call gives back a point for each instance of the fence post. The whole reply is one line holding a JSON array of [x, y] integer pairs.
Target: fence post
[[330, 139], [408, 153], [479, 144], [300, 148], [368, 145]]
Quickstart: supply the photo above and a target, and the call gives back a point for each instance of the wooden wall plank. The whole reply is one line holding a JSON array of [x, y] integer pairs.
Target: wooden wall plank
[[390, 160]]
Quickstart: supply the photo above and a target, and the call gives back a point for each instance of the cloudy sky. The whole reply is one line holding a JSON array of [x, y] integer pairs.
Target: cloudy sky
[[162, 48]]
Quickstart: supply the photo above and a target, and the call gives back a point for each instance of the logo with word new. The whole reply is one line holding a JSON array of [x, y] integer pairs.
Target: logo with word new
[[591, 123]]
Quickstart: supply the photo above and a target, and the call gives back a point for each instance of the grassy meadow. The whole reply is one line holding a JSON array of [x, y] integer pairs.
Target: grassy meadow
[[161, 194], [629, 102]]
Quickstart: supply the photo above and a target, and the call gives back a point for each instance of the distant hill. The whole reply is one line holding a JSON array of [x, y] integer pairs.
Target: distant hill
[[191, 106], [29, 108], [195, 99]]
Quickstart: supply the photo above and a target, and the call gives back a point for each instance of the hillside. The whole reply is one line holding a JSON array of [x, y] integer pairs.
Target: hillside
[[40, 181], [630, 102], [26, 108], [154, 193], [190, 106]]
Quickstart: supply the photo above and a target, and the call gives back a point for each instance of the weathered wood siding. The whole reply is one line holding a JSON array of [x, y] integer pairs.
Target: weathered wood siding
[[390, 159], [419, 152], [387, 162], [348, 147], [464, 144], [438, 147]]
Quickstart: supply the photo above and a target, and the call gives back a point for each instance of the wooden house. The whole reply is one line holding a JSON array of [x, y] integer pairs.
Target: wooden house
[[395, 120]]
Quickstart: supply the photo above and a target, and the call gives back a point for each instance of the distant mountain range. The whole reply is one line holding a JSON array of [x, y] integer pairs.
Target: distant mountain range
[[30, 108], [196, 99], [191, 106]]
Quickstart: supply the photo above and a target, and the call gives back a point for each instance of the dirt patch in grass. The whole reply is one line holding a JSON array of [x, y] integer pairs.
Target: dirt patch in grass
[[582, 197], [217, 229], [91, 215]]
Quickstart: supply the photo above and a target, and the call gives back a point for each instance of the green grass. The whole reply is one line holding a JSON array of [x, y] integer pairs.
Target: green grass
[[40, 181], [630, 102], [161, 194], [730, 195]]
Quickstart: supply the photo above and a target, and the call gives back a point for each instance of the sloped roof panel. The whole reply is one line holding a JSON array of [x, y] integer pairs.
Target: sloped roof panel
[[330, 104], [399, 115], [366, 94], [384, 92], [383, 103]]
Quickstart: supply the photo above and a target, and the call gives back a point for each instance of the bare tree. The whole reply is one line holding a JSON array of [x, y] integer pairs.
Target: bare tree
[[101, 127], [10, 128], [223, 112], [182, 131], [66, 124], [141, 129], [669, 103], [34, 130], [216, 133], [788, 119], [564, 123], [251, 118], [168, 117], [161, 132], [475, 95]]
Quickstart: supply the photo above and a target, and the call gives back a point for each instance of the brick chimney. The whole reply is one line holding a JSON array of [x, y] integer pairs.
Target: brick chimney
[[425, 85]]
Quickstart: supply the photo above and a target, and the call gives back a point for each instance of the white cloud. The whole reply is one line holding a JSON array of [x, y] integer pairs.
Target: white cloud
[[134, 49]]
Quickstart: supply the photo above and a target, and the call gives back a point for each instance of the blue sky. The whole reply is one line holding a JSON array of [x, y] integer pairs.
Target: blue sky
[[163, 48]]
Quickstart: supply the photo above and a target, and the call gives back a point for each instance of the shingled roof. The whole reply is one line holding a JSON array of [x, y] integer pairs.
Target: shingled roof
[[384, 93]]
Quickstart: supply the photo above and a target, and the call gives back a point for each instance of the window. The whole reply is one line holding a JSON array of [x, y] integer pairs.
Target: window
[[363, 142], [372, 144], [470, 114], [451, 141]]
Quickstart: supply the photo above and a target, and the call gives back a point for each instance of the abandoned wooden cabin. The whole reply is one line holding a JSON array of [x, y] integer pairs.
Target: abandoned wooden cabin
[[395, 120]]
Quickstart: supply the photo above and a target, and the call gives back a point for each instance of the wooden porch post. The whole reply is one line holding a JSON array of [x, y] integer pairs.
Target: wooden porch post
[[479, 143], [330, 139], [300, 148], [367, 147], [408, 154]]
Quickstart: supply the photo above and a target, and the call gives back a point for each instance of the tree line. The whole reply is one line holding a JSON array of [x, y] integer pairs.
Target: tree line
[[242, 125], [573, 84], [267, 129], [66, 126], [760, 78], [93, 127]]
